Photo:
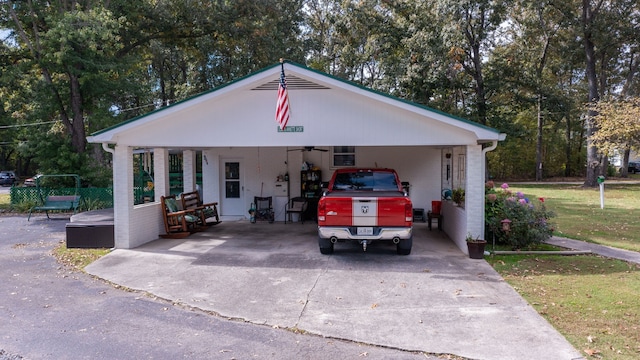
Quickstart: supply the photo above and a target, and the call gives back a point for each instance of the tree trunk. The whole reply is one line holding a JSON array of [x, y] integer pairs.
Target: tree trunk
[[624, 169], [481, 101], [539, 143], [567, 150], [593, 162], [76, 127]]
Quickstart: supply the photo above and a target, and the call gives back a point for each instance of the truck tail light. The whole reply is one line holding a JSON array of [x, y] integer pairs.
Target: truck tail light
[[408, 212], [321, 211]]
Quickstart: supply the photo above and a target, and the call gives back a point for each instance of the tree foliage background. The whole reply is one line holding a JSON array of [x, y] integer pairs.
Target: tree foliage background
[[531, 69]]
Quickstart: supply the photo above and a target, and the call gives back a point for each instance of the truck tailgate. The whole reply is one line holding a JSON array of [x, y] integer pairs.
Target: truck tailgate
[[349, 209]]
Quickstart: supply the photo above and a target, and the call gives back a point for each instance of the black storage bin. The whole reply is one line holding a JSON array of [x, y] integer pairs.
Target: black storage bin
[[90, 235]]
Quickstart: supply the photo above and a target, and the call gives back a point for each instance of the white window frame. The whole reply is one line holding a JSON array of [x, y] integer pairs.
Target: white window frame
[[335, 153]]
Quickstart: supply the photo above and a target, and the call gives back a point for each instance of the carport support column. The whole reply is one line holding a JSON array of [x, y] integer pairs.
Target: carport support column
[[210, 177], [160, 172], [474, 191], [189, 170], [122, 195]]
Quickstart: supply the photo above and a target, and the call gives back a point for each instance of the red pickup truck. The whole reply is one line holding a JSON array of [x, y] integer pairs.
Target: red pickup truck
[[365, 205]]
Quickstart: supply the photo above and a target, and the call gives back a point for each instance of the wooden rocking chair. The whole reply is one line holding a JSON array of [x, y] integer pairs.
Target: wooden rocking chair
[[177, 223], [207, 213]]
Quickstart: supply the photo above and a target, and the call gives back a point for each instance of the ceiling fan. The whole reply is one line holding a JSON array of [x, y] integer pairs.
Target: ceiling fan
[[309, 148]]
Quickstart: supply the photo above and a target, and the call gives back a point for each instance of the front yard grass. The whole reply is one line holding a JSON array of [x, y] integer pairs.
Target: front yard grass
[[5, 202], [593, 301], [579, 216]]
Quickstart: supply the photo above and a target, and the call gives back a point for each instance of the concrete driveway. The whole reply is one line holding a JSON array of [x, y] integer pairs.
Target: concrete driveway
[[435, 300]]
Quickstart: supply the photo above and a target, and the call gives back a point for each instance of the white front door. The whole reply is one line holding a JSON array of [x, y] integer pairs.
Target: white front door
[[232, 203]]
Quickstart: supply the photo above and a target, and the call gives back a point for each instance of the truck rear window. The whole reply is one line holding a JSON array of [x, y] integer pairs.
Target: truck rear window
[[369, 181]]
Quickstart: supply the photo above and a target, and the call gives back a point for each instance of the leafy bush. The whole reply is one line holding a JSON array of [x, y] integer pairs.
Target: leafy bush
[[528, 222]]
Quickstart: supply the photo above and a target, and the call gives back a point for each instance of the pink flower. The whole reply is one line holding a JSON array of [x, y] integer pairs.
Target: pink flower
[[522, 201], [505, 186], [492, 197]]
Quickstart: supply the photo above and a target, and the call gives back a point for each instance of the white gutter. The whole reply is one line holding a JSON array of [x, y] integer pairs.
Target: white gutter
[[106, 148], [494, 145]]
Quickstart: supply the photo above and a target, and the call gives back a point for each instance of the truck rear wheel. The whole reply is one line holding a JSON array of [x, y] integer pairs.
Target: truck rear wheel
[[404, 246], [326, 246]]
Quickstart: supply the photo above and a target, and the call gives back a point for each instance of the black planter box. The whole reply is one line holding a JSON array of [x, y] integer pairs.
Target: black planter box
[[476, 249], [90, 235]]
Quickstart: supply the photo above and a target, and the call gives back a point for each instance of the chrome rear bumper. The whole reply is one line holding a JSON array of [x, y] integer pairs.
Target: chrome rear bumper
[[349, 233]]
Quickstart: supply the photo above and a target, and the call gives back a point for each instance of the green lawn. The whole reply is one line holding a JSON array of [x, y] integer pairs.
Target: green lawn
[[5, 202], [593, 301], [579, 215]]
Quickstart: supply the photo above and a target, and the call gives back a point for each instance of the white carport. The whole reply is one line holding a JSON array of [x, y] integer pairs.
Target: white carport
[[235, 125]]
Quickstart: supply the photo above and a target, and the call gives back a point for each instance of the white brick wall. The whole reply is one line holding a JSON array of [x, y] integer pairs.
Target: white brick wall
[[122, 195], [133, 226], [150, 224], [454, 224], [474, 192], [459, 222]]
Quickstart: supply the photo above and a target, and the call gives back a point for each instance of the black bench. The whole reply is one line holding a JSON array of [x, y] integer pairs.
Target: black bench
[[57, 203]]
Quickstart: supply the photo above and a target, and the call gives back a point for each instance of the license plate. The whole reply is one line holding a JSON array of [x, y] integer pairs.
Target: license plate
[[365, 231]]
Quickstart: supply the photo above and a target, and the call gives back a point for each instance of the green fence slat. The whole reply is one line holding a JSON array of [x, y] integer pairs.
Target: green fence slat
[[92, 198]]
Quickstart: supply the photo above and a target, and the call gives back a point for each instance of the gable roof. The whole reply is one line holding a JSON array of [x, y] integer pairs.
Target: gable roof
[[325, 110]]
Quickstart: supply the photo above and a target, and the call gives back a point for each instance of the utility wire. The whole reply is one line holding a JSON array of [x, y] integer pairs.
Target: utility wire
[[23, 125]]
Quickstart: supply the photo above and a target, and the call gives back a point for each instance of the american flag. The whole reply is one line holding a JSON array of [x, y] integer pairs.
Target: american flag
[[282, 107]]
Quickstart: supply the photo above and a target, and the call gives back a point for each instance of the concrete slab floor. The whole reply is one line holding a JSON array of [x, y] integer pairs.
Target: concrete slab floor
[[435, 300]]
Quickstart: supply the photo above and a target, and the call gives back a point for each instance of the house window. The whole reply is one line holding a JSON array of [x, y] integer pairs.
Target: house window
[[344, 156]]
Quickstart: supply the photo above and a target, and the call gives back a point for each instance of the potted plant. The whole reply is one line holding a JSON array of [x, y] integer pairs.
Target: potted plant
[[458, 196], [475, 247]]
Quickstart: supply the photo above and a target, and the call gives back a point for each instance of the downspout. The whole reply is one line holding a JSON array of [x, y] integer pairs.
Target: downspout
[[105, 147], [494, 145]]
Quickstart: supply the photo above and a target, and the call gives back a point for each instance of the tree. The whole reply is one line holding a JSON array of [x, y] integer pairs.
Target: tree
[[617, 125], [73, 50], [469, 29], [91, 63], [597, 19]]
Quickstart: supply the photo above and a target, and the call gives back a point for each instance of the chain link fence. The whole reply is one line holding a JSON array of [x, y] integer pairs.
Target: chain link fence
[[91, 198]]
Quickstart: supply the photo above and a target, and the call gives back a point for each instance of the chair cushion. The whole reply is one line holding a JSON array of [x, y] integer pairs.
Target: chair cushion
[[171, 204], [208, 212], [190, 218]]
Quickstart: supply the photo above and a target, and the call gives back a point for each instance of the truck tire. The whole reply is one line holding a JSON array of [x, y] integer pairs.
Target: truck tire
[[404, 246], [326, 246]]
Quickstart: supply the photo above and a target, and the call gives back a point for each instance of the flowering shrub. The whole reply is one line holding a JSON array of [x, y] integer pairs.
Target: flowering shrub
[[528, 222]]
